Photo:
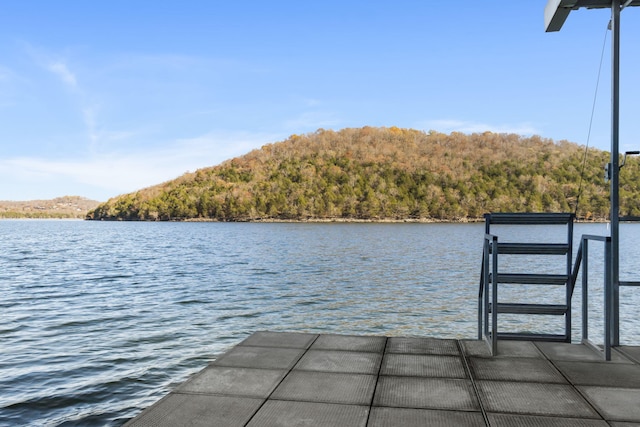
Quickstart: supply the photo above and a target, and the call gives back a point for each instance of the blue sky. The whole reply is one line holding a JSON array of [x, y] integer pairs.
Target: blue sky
[[103, 98]]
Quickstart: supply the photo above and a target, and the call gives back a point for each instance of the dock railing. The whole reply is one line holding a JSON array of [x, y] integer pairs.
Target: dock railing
[[487, 298], [611, 296]]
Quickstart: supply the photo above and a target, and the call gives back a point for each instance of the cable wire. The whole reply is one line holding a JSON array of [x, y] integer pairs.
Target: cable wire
[[593, 109]]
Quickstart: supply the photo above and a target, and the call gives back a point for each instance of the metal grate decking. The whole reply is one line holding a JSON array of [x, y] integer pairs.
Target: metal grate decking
[[295, 379]]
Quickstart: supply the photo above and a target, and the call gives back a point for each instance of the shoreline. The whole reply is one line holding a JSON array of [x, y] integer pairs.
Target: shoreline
[[365, 221], [342, 220], [294, 221]]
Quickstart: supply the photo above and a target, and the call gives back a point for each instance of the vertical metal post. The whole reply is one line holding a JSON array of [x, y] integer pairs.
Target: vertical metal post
[[483, 288], [615, 160], [608, 303], [568, 288], [615, 313], [585, 289], [494, 296], [480, 298], [487, 288]]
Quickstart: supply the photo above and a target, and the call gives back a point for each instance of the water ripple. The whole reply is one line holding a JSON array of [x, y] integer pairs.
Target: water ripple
[[100, 320]]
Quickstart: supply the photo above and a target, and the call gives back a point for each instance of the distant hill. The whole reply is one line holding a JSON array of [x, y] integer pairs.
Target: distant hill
[[61, 207], [386, 174]]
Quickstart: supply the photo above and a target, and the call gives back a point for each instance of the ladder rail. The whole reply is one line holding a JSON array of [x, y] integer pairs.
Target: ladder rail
[[494, 298], [490, 241]]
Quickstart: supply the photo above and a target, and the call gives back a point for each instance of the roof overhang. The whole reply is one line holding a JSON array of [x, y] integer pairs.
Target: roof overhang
[[556, 11]]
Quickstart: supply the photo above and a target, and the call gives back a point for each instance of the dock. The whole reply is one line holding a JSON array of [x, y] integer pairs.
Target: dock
[[302, 379]]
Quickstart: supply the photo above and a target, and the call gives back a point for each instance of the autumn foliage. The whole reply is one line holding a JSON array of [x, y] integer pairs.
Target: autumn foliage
[[386, 173]]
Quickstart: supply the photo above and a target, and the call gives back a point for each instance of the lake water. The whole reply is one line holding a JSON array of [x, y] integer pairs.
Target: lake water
[[99, 320]]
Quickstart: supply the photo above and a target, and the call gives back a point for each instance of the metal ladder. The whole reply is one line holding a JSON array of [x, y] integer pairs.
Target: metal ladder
[[492, 278]]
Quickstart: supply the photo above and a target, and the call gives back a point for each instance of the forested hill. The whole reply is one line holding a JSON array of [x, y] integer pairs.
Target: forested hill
[[75, 207], [386, 173]]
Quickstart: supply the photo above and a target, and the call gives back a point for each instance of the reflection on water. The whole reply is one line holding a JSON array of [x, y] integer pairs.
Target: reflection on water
[[99, 320]]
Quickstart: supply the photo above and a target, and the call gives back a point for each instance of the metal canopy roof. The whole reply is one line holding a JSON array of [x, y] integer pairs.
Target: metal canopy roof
[[556, 11]]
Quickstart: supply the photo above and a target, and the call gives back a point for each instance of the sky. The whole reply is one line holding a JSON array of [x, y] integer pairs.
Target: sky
[[99, 99]]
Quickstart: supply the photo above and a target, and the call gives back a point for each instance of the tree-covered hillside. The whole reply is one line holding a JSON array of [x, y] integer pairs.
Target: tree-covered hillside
[[61, 207], [386, 173]]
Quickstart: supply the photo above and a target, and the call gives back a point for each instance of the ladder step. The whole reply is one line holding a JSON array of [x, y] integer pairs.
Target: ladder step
[[524, 336], [533, 248], [531, 279], [512, 308], [629, 283], [529, 218]]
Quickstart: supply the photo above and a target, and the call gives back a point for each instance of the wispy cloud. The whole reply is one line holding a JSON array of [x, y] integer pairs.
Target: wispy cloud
[[61, 70], [54, 63], [107, 175], [452, 125], [83, 96]]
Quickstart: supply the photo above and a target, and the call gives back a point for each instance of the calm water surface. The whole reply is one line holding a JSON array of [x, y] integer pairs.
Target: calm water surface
[[99, 320]]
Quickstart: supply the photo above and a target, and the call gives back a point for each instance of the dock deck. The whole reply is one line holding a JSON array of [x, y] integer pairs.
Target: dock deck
[[297, 379]]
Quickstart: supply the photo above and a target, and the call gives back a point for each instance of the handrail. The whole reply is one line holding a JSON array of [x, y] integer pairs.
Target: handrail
[[611, 295], [481, 277], [610, 336], [576, 268], [576, 265], [487, 237]]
